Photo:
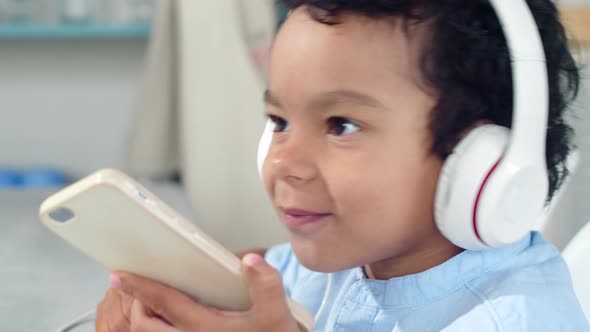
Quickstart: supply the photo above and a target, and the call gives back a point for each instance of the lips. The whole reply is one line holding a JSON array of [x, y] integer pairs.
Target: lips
[[295, 218]]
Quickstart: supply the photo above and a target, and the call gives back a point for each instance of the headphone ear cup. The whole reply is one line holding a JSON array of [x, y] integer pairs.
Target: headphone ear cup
[[460, 182], [264, 145]]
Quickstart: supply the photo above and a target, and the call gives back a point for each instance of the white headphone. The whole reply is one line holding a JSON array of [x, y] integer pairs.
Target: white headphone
[[494, 186]]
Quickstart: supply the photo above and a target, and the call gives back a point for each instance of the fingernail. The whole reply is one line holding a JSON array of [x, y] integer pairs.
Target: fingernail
[[252, 260], [115, 281]]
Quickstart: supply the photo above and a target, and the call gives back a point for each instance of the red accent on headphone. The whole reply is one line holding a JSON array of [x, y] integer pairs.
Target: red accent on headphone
[[479, 197]]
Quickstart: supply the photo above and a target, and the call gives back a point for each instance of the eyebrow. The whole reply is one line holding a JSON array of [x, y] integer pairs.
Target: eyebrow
[[271, 99], [332, 98]]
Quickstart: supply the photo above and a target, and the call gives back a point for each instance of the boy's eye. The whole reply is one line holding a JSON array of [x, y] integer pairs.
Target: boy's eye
[[280, 124], [341, 126]]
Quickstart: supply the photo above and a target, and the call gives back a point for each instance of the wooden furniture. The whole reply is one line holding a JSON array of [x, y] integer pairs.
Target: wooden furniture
[[577, 22]]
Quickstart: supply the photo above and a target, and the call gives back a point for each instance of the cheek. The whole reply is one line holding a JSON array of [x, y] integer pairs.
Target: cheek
[[373, 200], [267, 179], [389, 193]]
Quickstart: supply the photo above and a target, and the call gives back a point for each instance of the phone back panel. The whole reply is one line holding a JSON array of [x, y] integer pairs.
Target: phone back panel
[[125, 228]]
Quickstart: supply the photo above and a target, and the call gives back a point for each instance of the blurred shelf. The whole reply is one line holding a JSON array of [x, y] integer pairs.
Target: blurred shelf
[[15, 32]]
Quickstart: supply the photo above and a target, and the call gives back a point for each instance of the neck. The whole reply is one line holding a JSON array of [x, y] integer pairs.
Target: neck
[[426, 255]]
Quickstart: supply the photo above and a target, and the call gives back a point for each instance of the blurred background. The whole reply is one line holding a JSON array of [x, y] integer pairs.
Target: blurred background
[[87, 84], [169, 91]]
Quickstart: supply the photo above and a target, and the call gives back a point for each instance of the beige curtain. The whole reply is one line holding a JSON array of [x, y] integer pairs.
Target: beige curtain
[[202, 113], [153, 148]]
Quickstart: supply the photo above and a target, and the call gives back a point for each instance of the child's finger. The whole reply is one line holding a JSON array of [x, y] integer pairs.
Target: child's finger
[[267, 293], [143, 320], [168, 303]]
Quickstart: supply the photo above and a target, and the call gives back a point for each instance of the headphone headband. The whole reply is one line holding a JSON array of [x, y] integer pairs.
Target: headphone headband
[[530, 82], [494, 186]]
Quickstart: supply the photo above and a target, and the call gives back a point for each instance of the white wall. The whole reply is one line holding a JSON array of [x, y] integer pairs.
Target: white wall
[[573, 210], [67, 103]]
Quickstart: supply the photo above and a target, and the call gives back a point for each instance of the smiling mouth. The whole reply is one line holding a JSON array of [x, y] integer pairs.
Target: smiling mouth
[[297, 219]]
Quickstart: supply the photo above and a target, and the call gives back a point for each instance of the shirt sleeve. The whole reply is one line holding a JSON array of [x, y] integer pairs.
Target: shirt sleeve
[[539, 297]]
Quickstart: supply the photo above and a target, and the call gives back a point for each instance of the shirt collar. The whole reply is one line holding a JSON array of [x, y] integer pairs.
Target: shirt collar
[[437, 282]]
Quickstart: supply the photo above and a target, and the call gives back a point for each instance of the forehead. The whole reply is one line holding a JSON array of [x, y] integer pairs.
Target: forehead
[[360, 54]]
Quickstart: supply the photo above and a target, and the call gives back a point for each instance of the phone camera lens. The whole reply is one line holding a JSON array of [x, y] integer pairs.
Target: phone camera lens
[[62, 215]]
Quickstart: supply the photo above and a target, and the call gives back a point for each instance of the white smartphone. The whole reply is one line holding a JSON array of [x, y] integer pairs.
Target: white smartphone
[[121, 225]]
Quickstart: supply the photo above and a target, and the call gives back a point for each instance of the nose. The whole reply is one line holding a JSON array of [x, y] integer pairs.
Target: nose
[[292, 160]]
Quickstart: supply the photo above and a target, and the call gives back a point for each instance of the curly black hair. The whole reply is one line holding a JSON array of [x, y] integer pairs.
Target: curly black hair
[[468, 64]]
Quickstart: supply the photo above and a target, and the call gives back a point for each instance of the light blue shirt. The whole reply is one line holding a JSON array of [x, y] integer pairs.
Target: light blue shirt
[[523, 287]]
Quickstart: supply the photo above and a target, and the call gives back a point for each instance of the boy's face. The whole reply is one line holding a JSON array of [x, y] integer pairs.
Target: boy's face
[[350, 170]]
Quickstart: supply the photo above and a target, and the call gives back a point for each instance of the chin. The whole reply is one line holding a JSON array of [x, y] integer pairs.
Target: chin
[[312, 258]]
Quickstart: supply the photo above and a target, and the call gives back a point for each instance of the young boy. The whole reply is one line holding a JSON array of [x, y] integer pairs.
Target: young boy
[[368, 99]]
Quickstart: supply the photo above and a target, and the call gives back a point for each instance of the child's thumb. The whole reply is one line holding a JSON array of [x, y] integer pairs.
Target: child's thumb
[[266, 290]]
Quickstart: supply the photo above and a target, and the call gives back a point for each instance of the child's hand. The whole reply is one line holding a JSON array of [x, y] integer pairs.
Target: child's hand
[[163, 309], [114, 312]]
